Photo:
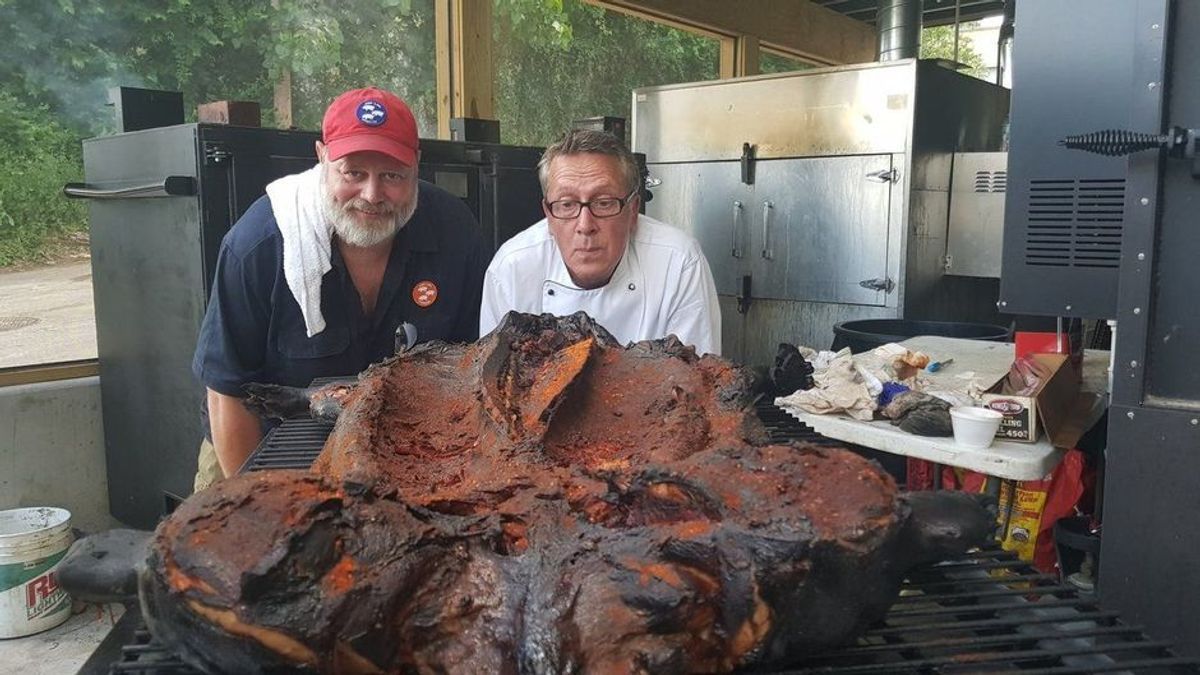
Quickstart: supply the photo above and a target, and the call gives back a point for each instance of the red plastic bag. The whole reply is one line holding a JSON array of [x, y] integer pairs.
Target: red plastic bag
[[1039, 503]]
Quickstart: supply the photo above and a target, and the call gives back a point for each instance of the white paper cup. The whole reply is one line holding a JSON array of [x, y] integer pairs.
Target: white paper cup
[[974, 427]]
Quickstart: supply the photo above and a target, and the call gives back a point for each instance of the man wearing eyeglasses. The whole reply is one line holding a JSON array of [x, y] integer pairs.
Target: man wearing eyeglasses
[[639, 278]]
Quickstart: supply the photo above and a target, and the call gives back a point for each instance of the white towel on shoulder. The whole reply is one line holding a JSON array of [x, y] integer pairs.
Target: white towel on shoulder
[[307, 237]]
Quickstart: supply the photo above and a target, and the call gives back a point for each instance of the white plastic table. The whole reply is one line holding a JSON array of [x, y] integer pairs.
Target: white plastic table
[[989, 361]]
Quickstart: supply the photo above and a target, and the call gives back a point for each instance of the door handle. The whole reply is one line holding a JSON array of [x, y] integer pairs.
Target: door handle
[[885, 285], [171, 186], [737, 228], [884, 176], [767, 252]]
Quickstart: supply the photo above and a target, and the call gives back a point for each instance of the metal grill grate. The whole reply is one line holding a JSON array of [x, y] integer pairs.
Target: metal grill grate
[[989, 612], [985, 612], [296, 443], [144, 655]]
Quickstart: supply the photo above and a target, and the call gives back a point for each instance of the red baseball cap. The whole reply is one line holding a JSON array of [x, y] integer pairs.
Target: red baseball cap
[[370, 119]]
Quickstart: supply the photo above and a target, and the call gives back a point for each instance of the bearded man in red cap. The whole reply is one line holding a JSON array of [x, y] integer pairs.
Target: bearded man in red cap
[[327, 272]]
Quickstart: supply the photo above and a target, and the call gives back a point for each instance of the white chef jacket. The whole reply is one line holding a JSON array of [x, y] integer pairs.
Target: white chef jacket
[[662, 286]]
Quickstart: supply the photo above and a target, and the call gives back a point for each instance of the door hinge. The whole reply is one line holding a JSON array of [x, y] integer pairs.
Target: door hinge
[[745, 296], [749, 157], [886, 285], [947, 263]]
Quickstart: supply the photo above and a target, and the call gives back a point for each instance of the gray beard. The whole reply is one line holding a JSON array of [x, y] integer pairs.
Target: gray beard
[[354, 233]]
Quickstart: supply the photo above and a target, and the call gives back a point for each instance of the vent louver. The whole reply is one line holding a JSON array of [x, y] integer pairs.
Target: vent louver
[[991, 181], [1075, 223]]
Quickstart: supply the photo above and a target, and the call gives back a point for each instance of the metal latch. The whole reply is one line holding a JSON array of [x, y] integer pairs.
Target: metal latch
[[884, 175], [886, 285], [744, 297], [215, 153], [749, 153]]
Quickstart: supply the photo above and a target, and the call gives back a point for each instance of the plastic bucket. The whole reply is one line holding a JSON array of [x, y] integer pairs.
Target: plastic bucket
[[974, 427], [32, 542], [867, 334]]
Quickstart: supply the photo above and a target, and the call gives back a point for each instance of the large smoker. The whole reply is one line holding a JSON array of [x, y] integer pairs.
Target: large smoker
[[161, 200], [1112, 234], [825, 195]]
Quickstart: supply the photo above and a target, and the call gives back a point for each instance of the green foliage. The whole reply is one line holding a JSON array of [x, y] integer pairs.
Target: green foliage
[[37, 157], [388, 44], [555, 61], [769, 62], [562, 60], [937, 42]]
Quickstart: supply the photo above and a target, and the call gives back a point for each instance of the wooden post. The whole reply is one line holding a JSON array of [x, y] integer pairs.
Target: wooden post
[[283, 92], [283, 100], [463, 33], [727, 66], [739, 56]]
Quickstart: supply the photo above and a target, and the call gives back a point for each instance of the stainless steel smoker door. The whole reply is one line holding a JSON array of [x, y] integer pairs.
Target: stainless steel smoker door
[[810, 229], [826, 229], [708, 200]]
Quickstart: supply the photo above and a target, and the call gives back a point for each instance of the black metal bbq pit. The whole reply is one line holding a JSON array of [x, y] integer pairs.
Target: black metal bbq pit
[[985, 612]]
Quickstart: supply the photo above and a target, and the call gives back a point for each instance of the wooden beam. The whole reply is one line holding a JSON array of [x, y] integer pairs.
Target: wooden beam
[[463, 35], [48, 372], [747, 55], [800, 28], [739, 56]]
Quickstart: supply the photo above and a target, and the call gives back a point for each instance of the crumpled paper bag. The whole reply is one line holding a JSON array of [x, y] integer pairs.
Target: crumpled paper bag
[[841, 386]]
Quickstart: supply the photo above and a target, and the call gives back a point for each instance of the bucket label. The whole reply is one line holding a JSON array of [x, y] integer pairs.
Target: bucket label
[[43, 596], [37, 583]]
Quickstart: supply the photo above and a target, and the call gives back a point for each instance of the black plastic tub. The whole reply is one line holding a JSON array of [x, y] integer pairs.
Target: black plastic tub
[[867, 334]]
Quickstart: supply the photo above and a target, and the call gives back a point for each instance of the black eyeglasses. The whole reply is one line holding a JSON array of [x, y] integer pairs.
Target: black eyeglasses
[[603, 207]]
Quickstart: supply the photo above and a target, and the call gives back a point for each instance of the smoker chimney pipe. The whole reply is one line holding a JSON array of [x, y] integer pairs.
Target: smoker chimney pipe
[[1004, 47], [899, 23]]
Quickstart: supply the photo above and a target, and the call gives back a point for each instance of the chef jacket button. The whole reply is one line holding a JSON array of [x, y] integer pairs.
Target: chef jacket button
[[632, 287], [549, 291]]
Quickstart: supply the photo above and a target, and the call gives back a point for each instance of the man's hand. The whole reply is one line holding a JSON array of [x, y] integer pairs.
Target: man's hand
[[235, 431]]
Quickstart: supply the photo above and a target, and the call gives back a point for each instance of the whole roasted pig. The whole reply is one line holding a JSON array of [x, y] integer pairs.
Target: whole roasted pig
[[542, 501]]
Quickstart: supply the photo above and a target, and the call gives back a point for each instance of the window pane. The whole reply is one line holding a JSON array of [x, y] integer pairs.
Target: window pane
[[770, 62], [553, 67], [46, 310], [53, 94], [977, 46]]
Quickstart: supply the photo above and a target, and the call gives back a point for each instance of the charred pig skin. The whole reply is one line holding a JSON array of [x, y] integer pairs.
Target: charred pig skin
[[543, 501]]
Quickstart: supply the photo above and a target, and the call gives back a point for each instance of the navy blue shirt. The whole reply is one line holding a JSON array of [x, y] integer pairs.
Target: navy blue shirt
[[253, 330]]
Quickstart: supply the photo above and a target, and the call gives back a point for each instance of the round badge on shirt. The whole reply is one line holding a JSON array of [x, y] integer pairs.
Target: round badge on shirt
[[371, 113], [424, 293]]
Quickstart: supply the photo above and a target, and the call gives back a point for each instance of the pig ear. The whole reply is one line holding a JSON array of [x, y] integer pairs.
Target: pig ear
[[275, 401], [102, 567], [943, 524]]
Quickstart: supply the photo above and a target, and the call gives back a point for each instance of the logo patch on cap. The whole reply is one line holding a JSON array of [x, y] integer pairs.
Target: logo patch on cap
[[371, 113], [425, 293]]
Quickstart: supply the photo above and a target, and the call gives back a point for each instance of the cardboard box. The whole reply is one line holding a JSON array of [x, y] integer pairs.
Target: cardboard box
[[1057, 407], [236, 113]]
